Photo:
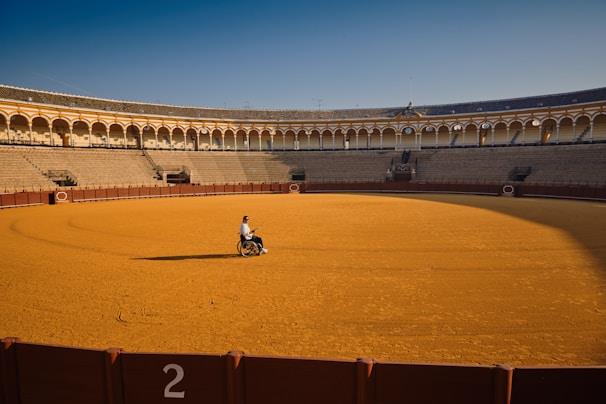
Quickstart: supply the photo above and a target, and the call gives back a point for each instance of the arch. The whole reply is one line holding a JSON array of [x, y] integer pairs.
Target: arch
[[548, 130], [265, 136], [60, 128], [500, 133], [40, 130], [177, 137], [388, 137], [163, 136], [531, 131], [599, 127], [80, 131], [254, 139], [350, 136], [99, 134], [582, 128], [427, 136], [148, 137], [17, 129], [133, 136], [193, 139], [470, 134], [443, 135], [242, 139], [117, 135]]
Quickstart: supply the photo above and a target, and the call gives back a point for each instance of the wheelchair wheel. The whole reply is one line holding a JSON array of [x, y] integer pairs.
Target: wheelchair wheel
[[239, 247], [249, 248]]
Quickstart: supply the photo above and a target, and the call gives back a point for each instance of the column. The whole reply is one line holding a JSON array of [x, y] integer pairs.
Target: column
[[507, 135], [308, 140], [271, 142], [321, 143], [141, 139], [540, 133], [463, 133], [436, 130], [156, 136], [381, 140], [31, 133], [283, 141], [235, 142], [574, 131], [558, 133], [591, 131], [90, 136], [170, 140], [357, 138], [478, 140], [492, 135], [107, 141], [197, 145], [8, 129], [248, 142], [296, 141], [71, 135], [223, 141], [449, 137], [185, 140], [524, 134], [124, 137], [333, 141], [50, 129], [260, 144]]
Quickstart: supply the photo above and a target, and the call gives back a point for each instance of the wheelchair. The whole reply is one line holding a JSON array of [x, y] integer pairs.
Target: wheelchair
[[248, 248]]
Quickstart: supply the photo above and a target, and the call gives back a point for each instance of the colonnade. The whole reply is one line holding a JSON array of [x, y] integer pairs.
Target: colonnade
[[61, 130]]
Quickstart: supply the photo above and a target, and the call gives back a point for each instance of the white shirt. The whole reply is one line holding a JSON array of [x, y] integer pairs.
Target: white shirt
[[245, 231]]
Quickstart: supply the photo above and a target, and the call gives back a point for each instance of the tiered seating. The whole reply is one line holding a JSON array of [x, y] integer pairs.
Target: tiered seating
[[95, 167], [17, 173], [228, 167], [572, 164]]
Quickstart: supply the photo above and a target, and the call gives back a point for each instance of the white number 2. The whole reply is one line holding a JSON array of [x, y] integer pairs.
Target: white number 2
[[179, 370]]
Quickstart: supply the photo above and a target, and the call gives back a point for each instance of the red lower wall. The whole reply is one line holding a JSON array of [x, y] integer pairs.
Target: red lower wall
[[33, 198], [49, 374]]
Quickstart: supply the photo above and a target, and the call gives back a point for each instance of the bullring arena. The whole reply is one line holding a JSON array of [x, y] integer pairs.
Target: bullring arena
[[466, 234]]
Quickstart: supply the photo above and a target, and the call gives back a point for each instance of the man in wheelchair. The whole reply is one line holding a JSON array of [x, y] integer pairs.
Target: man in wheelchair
[[247, 235]]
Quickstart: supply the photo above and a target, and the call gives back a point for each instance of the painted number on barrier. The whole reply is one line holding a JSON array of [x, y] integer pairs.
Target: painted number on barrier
[[178, 377]]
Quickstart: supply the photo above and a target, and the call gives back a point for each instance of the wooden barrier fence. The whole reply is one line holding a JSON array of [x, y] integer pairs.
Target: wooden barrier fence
[[32, 373], [18, 199]]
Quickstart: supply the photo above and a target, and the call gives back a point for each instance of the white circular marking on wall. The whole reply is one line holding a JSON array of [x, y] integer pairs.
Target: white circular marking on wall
[[294, 188], [508, 190], [61, 196]]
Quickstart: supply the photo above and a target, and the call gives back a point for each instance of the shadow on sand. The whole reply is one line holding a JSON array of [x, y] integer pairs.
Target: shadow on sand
[[190, 257]]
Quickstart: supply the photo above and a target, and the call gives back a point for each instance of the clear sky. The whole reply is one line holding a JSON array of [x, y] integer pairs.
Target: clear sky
[[292, 53]]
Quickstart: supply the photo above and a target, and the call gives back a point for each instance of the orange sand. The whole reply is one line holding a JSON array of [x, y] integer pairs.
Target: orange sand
[[464, 279]]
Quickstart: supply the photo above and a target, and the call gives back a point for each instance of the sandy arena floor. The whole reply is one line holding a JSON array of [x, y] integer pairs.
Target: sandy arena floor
[[463, 279]]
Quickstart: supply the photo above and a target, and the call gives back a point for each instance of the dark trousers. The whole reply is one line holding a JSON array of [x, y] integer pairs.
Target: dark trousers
[[257, 240]]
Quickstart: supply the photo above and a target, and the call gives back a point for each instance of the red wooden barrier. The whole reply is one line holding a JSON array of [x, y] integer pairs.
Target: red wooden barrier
[[111, 193], [229, 188], [559, 385], [21, 198], [35, 197], [266, 187], [398, 383], [100, 193], [77, 194], [7, 199], [294, 381], [46, 374], [161, 378], [134, 192]]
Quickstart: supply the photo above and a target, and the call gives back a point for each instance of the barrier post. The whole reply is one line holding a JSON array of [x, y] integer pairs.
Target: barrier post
[[9, 383], [365, 381], [503, 375], [113, 376], [235, 378]]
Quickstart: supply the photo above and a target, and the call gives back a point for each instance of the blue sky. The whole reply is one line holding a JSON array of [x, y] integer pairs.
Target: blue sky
[[290, 54]]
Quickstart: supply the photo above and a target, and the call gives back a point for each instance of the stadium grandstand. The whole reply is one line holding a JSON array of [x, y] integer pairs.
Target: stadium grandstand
[[53, 141]]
